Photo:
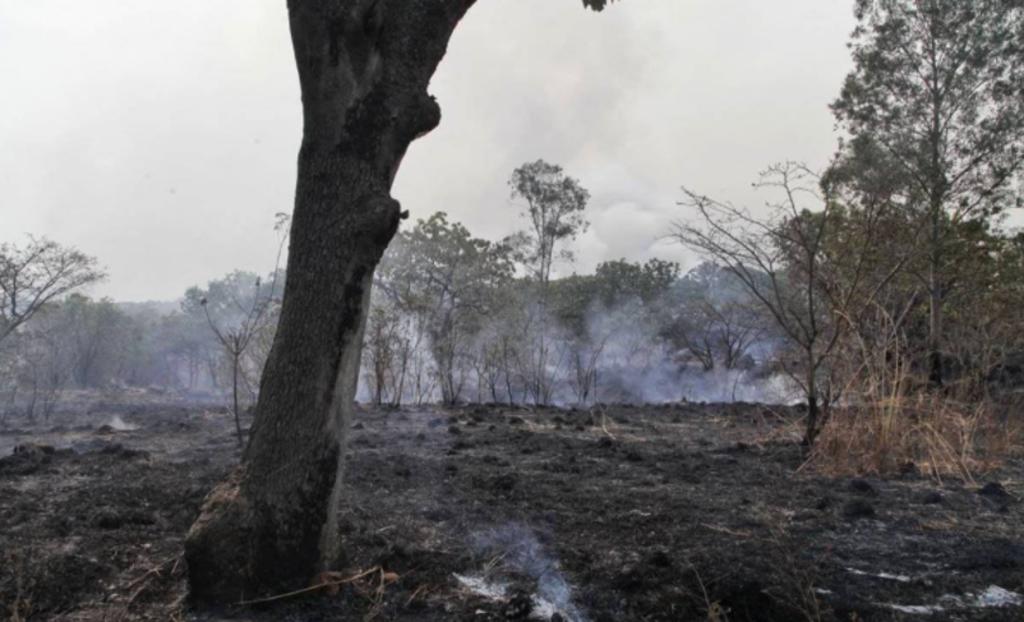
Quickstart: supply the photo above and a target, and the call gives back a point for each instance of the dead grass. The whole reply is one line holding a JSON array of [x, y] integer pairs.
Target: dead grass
[[20, 607], [893, 421], [935, 435]]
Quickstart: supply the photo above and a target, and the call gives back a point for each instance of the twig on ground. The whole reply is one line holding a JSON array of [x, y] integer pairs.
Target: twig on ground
[[726, 530], [318, 586]]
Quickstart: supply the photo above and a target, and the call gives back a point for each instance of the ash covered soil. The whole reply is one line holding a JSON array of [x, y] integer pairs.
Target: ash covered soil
[[678, 512]]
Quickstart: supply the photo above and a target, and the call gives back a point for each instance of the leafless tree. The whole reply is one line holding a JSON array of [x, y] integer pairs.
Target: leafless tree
[[583, 365], [812, 287], [236, 338], [386, 355], [243, 320]]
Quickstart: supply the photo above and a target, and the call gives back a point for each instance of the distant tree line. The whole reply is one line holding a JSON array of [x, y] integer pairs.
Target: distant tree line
[[458, 318], [77, 342], [890, 272], [454, 318]]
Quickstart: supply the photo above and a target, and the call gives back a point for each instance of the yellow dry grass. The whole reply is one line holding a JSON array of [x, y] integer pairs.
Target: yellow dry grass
[[933, 434]]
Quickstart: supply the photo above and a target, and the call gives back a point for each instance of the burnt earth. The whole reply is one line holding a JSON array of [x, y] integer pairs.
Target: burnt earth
[[680, 512]]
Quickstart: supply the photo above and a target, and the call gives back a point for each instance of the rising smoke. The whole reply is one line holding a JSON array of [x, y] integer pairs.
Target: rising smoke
[[616, 355]]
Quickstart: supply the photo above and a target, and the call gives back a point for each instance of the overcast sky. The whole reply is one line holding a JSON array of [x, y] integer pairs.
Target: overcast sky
[[161, 135]]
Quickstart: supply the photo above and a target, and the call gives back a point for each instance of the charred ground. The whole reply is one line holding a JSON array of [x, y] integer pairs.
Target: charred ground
[[674, 512]]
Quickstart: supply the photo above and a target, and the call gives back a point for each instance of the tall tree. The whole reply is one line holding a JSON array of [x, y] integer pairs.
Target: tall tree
[[99, 338], [555, 204], [938, 87], [364, 68]]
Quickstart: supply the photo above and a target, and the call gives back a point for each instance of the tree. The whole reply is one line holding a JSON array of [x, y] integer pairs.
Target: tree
[[813, 290], [42, 356], [189, 336], [386, 354], [37, 273], [647, 282], [441, 273], [555, 204], [237, 309], [938, 88], [98, 338], [609, 316], [240, 310], [364, 68], [712, 318]]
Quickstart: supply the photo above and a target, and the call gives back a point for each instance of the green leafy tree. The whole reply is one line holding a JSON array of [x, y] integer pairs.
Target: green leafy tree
[[440, 272], [937, 94], [647, 281], [555, 205]]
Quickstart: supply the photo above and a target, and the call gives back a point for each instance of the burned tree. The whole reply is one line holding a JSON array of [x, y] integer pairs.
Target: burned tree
[[364, 67], [813, 288], [235, 322]]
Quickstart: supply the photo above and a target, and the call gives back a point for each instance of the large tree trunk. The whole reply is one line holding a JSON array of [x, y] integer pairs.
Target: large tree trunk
[[364, 67]]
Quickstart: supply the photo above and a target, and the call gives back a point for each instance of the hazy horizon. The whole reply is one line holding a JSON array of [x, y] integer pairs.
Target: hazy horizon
[[162, 138]]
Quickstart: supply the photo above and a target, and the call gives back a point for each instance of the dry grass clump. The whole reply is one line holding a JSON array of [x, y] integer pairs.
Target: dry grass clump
[[934, 434], [891, 420]]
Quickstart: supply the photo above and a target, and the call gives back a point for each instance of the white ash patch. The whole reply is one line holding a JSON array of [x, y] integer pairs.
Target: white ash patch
[[995, 596], [926, 610], [902, 578], [118, 424], [992, 596], [482, 587], [521, 553]]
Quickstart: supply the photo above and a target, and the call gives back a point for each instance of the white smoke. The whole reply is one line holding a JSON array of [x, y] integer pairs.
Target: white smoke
[[118, 424], [522, 553], [610, 355]]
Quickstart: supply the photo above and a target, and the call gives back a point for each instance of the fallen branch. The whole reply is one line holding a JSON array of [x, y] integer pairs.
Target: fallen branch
[[422, 589], [155, 571], [726, 530], [312, 588]]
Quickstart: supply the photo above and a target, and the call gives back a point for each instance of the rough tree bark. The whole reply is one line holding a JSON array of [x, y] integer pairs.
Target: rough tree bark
[[364, 67]]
